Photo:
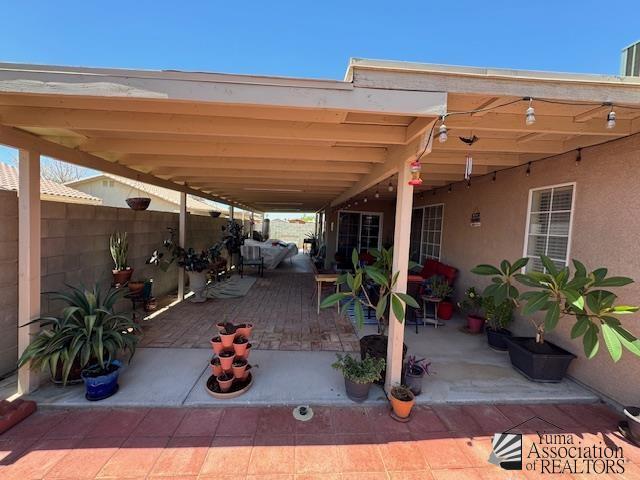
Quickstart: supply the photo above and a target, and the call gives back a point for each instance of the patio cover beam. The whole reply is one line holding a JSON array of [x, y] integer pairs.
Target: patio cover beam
[[24, 140]]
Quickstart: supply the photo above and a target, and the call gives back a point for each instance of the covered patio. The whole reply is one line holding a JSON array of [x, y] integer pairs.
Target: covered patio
[[275, 144]]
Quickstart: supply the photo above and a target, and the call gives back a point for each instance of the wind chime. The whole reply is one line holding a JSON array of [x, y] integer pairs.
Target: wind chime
[[468, 164]]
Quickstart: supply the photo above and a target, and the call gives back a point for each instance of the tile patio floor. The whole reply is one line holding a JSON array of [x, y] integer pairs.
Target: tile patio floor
[[441, 443], [281, 305]]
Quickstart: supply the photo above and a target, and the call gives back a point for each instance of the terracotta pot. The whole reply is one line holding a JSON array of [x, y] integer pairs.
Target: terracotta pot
[[445, 310], [402, 408], [227, 361], [227, 339], [216, 367], [238, 371], [216, 344], [247, 352], [240, 348], [220, 326], [475, 323], [120, 277], [135, 288], [245, 330], [225, 385]]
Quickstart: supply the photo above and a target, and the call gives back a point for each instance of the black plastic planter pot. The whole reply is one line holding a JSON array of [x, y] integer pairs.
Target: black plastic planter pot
[[376, 347], [414, 382], [358, 392], [497, 339], [548, 365], [633, 417]]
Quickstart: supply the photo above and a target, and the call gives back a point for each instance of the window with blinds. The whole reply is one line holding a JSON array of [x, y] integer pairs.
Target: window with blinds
[[549, 225]]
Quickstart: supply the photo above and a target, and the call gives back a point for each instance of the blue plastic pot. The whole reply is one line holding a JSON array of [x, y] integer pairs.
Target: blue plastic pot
[[99, 388]]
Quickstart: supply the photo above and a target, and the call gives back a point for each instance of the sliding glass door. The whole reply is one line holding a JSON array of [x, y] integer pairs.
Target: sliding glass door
[[359, 230], [426, 233]]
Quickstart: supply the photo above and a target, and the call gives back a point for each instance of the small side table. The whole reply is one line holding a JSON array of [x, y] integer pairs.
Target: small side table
[[433, 320], [326, 278]]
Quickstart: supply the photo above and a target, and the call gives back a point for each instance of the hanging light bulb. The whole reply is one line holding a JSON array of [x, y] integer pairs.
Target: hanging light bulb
[[356, 202], [469, 183], [528, 169], [579, 157], [377, 194], [390, 187], [611, 119], [364, 199], [493, 179], [450, 188], [530, 114], [442, 132]]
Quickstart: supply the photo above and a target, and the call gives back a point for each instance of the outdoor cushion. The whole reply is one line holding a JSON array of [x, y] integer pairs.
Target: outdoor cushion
[[415, 279], [449, 273], [430, 268]]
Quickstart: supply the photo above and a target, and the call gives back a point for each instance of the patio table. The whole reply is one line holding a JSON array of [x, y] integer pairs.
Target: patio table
[[326, 278]]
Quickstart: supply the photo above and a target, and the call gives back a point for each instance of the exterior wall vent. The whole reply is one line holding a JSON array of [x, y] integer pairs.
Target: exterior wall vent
[[630, 62]]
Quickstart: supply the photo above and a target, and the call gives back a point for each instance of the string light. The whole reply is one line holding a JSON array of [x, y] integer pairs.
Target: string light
[[442, 132], [579, 157], [495, 174], [528, 169], [530, 114], [611, 119], [469, 183], [450, 188], [377, 194], [356, 202], [434, 192], [390, 187], [365, 200]]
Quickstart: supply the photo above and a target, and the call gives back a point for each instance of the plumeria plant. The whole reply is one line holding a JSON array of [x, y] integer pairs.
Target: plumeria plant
[[379, 275], [558, 293]]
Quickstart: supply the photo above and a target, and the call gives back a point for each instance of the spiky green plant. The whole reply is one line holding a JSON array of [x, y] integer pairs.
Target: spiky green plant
[[86, 332], [119, 247]]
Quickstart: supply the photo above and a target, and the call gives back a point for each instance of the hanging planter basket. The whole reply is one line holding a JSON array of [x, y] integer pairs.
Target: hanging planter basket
[[138, 203], [214, 213]]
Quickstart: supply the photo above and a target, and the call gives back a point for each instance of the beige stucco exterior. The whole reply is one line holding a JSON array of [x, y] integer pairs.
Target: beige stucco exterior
[[606, 228]]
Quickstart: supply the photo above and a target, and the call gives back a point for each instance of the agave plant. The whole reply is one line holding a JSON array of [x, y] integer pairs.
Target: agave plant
[[556, 294], [380, 274], [87, 332]]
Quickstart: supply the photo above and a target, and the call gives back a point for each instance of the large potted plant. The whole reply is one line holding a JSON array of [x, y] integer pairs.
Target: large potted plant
[[233, 239], [87, 335], [378, 278], [498, 318], [359, 375], [556, 294], [472, 304], [119, 248]]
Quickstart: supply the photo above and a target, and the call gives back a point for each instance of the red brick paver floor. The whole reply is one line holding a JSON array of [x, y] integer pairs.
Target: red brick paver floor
[[281, 305], [439, 443]]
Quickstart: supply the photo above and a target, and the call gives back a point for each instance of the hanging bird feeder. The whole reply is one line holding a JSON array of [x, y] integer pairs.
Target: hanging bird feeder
[[415, 167]]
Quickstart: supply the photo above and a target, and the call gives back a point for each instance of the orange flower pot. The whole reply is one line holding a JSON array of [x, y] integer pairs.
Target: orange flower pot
[[239, 370], [226, 359], [245, 330], [402, 408], [216, 345], [240, 348], [227, 339], [216, 367], [220, 326], [225, 381]]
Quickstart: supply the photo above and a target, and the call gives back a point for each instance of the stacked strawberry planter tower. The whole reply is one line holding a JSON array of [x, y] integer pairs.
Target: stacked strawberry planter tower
[[230, 368]]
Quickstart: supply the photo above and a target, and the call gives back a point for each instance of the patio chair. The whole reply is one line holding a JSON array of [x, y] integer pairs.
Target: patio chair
[[251, 255]]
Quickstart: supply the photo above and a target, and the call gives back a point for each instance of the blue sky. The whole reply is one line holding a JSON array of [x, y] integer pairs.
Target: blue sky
[[316, 39]]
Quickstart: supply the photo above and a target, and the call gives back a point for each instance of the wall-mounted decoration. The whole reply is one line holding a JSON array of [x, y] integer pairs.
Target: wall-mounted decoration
[[475, 218]]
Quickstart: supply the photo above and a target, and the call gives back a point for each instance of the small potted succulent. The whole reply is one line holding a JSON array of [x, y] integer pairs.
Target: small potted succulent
[[226, 359], [228, 335], [359, 375], [119, 248], [244, 329], [472, 306], [216, 344], [239, 367], [402, 400], [216, 367], [438, 288], [415, 371]]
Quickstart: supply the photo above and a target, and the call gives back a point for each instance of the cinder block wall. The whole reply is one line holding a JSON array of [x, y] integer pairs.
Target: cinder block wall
[[75, 250]]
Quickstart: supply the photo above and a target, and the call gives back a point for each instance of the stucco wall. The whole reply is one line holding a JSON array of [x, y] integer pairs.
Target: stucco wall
[[75, 250], [606, 228]]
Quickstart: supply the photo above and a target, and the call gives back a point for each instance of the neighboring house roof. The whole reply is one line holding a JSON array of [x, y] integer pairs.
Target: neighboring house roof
[[49, 190], [172, 196]]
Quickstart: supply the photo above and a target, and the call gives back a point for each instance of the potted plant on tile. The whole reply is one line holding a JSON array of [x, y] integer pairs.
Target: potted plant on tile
[[498, 319], [554, 294], [471, 304], [415, 370], [402, 401], [359, 375], [358, 289], [119, 248], [87, 334]]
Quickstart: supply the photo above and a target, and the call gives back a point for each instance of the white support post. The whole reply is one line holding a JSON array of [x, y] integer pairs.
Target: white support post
[[231, 212], [182, 240], [401, 240], [28, 260]]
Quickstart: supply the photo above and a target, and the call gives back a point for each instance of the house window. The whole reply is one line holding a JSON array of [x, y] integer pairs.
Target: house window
[[549, 225], [426, 233]]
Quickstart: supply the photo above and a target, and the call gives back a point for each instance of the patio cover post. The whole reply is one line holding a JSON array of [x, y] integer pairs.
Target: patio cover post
[[404, 204], [28, 259], [182, 237], [231, 212]]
